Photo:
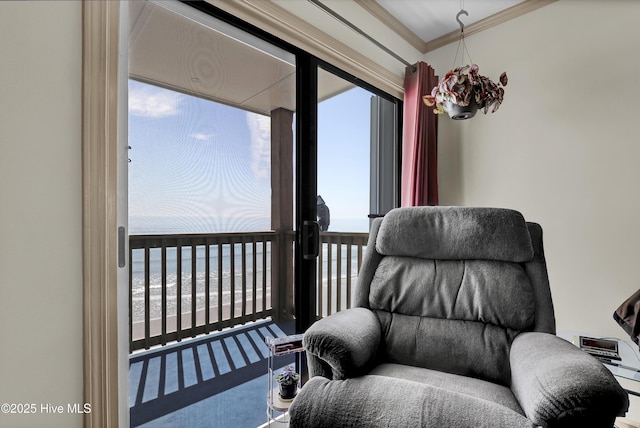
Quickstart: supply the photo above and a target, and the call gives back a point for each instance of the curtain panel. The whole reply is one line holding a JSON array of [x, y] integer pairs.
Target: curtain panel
[[419, 139]]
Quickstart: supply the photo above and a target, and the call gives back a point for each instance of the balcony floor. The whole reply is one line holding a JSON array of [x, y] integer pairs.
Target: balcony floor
[[217, 380]]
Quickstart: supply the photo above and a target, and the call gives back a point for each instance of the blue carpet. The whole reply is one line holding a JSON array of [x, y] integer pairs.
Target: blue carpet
[[217, 381], [243, 406]]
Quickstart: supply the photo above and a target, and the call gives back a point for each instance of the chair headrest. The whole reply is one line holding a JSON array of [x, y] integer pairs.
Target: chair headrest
[[455, 233]]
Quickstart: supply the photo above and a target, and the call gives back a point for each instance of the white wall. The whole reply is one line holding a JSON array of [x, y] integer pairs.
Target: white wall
[[563, 149], [40, 210]]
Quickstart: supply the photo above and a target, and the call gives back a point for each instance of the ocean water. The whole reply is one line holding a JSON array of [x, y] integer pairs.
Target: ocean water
[[231, 279], [149, 225]]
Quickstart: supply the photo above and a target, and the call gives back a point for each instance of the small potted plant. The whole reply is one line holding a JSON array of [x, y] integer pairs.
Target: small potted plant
[[288, 383], [462, 91]]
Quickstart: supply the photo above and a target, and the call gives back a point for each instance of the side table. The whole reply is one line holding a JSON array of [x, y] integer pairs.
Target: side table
[[279, 347], [629, 365], [626, 371]]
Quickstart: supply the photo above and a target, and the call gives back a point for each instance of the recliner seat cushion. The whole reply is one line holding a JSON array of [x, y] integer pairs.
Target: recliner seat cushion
[[380, 401], [489, 391]]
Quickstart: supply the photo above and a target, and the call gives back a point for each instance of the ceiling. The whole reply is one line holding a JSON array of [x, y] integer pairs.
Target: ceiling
[[432, 19], [174, 46]]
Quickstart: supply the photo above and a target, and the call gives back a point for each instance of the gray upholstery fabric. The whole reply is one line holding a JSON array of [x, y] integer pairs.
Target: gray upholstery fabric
[[368, 269], [466, 385], [473, 290], [380, 401], [454, 233], [347, 342], [486, 301], [451, 331], [461, 347], [537, 271], [558, 385]]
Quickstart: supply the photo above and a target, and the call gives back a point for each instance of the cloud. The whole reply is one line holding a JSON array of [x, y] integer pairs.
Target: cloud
[[202, 136], [150, 101], [260, 131]]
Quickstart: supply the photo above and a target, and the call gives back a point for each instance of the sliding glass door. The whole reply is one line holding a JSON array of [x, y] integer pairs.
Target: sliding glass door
[[211, 214], [255, 170]]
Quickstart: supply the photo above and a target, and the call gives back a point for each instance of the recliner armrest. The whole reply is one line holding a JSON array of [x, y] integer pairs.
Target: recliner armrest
[[558, 385], [346, 341]]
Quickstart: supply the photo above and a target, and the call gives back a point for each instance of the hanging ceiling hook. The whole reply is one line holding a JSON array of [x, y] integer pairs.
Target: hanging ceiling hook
[[462, 12]]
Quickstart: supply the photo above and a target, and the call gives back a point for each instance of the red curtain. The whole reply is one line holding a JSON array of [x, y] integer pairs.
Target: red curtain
[[420, 139]]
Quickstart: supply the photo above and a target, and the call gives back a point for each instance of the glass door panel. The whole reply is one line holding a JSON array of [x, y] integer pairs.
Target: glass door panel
[[351, 132], [211, 110], [344, 139]]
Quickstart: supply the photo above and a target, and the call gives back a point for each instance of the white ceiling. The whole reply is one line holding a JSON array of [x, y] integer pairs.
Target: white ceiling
[[430, 19], [174, 46]]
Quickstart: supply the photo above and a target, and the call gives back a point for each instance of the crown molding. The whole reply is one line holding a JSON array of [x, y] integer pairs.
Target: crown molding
[[414, 40], [488, 22], [390, 21]]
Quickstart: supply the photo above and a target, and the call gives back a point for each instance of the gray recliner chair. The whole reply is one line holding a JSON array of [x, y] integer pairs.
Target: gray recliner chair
[[453, 327]]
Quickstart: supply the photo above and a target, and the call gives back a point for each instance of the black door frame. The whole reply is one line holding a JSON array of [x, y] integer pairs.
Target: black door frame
[[306, 190]]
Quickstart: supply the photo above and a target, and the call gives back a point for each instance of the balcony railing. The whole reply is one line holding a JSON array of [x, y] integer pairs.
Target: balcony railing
[[338, 266], [186, 285]]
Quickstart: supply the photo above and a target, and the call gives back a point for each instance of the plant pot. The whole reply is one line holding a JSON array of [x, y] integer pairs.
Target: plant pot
[[457, 112], [288, 392]]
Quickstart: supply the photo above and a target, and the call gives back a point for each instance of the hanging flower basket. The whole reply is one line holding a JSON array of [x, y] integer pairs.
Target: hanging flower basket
[[458, 112], [461, 88]]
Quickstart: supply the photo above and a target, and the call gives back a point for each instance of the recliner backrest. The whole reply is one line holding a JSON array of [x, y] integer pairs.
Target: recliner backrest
[[453, 286]]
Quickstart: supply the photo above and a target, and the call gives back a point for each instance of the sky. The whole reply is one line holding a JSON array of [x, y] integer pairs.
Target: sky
[[200, 166]]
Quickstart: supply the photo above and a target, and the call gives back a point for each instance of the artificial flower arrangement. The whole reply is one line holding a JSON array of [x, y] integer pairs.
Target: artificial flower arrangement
[[462, 87]]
